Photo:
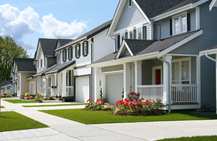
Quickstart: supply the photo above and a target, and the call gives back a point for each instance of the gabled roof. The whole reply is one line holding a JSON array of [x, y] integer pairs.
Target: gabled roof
[[89, 34], [48, 46], [64, 41], [24, 64], [210, 50], [5, 83], [143, 47], [154, 8]]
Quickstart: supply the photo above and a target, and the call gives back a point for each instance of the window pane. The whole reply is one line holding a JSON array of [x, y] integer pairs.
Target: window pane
[[184, 24], [131, 35], [175, 72], [176, 22], [85, 48], [78, 50], [185, 70], [122, 38], [139, 32]]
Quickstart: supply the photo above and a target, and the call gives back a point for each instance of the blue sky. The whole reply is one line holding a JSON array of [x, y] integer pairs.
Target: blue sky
[[28, 20]]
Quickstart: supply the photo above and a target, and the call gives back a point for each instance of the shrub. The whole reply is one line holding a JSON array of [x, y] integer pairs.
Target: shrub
[[14, 94], [39, 98], [91, 104]]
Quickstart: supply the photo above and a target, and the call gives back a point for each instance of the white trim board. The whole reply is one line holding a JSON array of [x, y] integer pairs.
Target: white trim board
[[212, 4], [124, 44]]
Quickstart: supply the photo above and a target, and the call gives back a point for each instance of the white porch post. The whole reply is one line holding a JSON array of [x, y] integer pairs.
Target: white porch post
[[96, 83], [167, 58], [64, 83], [216, 82], [59, 84], [126, 79], [138, 74], [46, 86]]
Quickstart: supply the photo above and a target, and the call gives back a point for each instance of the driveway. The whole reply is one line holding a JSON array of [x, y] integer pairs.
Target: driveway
[[63, 129]]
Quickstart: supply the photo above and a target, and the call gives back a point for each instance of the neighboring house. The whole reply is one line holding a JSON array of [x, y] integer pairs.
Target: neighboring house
[[44, 60], [5, 87], [21, 69], [156, 53], [75, 81]]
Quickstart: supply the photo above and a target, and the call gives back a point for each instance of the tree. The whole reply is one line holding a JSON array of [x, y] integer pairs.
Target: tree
[[8, 51]]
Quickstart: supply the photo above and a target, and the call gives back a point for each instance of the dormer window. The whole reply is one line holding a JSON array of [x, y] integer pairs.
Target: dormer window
[[179, 23], [77, 51], [134, 33], [85, 48], [64, 55], [130, 3], [41, 63], [131, 34], [144, 32], [126, 35], [139, 33], [70, 51]]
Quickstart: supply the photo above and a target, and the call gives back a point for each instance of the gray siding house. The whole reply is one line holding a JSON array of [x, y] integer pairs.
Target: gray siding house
[[156, 53]]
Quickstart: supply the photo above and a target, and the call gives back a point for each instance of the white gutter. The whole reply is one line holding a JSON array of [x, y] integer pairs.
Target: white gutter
[[207, 56]]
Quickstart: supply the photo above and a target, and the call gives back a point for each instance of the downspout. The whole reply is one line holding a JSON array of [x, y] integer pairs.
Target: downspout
[[169, 87]]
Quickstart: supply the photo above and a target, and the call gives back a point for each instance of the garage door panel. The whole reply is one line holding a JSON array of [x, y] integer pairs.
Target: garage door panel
[[114, 88], [82, 89]]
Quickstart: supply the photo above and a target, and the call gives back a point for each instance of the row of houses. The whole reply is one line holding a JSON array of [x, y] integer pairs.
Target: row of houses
[[151, 47]]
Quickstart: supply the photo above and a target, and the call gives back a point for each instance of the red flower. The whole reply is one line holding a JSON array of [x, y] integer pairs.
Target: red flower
[[150, 104], [131, 105], [134, 102], [126, 104], [127, 100], [147, 102], [139, 102], [101, 102], [89, 100]]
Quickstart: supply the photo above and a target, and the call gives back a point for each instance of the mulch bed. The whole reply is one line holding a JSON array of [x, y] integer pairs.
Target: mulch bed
[[141, 113], [95, 109]]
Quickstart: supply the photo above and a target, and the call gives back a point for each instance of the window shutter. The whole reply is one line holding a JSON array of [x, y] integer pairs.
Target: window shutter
[[126, 35], [83, 49], [76, 53], [188, 22], [171, 27], [144, 33], [134, 33]]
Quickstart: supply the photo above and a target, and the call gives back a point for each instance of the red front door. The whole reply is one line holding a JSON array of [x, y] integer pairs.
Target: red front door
[[158, 76]]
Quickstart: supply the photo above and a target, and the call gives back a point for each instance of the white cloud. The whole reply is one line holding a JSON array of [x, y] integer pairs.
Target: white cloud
[[17, 23], [53, 28]]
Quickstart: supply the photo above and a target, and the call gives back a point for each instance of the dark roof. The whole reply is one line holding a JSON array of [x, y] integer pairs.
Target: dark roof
[[41, 73], [137, 46], [93, 32], [4, 83], [213, 47], [24, 64], [64, 41], [154, 8], [59, 67], [140, 47], [48, 46]]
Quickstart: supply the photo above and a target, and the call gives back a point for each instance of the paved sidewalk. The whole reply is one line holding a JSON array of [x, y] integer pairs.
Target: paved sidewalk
[[63, 129]]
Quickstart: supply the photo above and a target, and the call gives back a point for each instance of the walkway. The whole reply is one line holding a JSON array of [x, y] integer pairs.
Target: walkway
[[63, 129]]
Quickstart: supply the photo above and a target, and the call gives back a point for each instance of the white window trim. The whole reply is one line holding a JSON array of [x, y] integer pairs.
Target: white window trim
[[180, 67], [153, 74], [129, 3], [173, 23]]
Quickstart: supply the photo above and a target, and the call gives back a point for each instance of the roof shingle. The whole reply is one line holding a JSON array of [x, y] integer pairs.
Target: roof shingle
[[24, 64]]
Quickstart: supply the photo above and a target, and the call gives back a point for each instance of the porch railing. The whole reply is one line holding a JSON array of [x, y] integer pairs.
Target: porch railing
[[184, 93], [69, 91], [151, 91]]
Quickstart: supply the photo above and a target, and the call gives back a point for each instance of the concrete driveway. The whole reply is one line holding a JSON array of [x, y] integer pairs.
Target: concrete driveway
[[63, 129]]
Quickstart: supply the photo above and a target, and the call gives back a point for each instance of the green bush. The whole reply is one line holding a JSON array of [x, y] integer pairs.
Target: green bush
[[39, 98]]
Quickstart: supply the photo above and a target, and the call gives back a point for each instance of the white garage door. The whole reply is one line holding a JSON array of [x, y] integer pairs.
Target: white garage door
[[82, 89], [114, 88]]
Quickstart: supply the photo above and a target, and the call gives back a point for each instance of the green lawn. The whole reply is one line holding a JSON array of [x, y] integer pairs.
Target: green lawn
[[20, 101], [202, 138], [54, 105], [1, 106], [98, 117], [10, 121]]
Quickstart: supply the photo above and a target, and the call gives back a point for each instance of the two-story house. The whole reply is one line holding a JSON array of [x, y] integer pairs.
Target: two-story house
[[156, 53], [5, 87], [21, 69], [75, 81], [44, 60]]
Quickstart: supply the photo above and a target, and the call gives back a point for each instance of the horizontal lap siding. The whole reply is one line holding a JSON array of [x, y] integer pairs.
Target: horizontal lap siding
[[130, 16]]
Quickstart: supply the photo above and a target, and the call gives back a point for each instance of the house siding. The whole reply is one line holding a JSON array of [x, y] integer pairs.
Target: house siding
[[130, 16]]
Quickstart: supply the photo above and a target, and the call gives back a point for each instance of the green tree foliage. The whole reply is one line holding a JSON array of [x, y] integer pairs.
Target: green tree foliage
[[8, 51]]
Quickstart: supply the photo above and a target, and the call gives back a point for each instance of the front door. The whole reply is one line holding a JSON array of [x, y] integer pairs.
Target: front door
[[158, 76]]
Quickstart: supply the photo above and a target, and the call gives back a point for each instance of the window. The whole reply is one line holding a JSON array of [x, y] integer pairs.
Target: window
[[70, 51], [117, 40], [134, 33], [131, 35], [139, 33], [180, 24], [144, 32], [64, 55], [130, 3], [126, 35], [41, 63], [122, 38], [85, 48], [38, 63], [78, 51], [181, 71]]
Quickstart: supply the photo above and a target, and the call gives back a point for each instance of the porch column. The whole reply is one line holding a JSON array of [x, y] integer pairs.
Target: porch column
[[46, 86], [138, 74], [64, 84], [59, 84], [96, 83], [165, 79], [126, 79]]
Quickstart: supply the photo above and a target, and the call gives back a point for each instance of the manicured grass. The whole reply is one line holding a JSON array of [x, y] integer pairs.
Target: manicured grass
[[1, 106], [98, 117], [54, 105], [201, 138], [20, 101], [10, 121]]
